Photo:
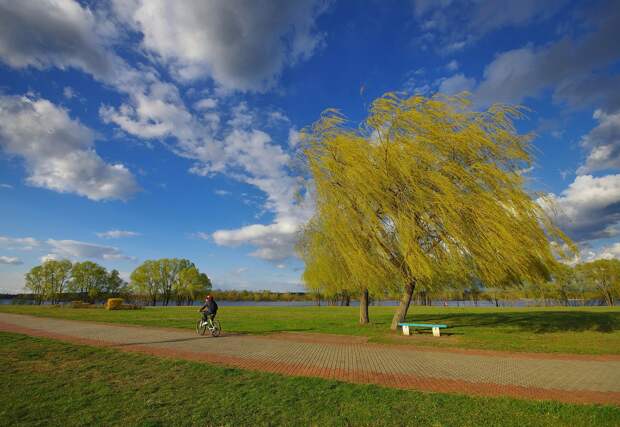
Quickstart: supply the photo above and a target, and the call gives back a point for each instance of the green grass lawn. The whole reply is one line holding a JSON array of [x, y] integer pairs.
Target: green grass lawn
[[591, 330], [46, 382]]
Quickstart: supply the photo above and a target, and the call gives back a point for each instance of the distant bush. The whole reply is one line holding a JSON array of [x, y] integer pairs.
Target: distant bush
[[117, 304], [114, 304]]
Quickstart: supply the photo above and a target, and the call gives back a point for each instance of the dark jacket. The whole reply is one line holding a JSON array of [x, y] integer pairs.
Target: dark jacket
[[210, 306]]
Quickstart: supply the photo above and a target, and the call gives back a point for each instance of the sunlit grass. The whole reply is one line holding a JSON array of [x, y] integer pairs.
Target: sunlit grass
[[586, 330], [46, 382]]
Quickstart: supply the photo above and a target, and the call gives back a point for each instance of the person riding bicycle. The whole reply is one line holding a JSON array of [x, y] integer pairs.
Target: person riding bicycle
[[209, 309]]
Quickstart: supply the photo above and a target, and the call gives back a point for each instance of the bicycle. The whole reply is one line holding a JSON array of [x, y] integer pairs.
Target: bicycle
[[212, 325]]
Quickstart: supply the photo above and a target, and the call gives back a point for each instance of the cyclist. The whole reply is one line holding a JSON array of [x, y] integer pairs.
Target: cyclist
[[209, 309]]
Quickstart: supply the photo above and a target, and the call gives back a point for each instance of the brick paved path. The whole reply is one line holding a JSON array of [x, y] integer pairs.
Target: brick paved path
[[578, 379]]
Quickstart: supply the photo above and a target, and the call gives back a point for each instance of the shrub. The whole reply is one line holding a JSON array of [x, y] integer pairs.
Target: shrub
[[114, 304]]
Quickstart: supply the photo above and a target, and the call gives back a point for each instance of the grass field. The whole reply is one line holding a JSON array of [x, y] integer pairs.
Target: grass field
[[592, 330], [48, 382]]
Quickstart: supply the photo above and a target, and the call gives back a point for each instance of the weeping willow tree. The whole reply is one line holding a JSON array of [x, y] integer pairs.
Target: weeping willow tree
[[424, 188]]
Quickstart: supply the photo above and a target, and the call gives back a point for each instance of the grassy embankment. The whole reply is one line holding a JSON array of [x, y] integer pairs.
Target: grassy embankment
[[46, 382], [591, 330]]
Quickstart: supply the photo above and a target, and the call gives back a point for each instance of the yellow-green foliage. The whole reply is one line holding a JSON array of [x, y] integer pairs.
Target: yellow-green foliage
[[114, 304], [604, 276], [425, 191]]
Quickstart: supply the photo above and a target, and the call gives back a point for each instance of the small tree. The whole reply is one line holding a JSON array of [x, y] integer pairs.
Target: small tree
[[191, 284], [35, 283], [56, 276], [88, 279], [144, 281], [604, 276], [114, 284]]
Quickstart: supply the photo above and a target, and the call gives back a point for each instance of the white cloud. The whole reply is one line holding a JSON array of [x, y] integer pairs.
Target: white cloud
[[68, 92], [589, 208], [19, 243], [10, 260], [241, 44], [245, 46], [222, 192], [239, 150], [117, 234], [294, 138], [206, 104], [275, 241], [201, 235], [276, 116], [603, 142], [59, 152], [79, 250], [452, 65], [456, 84], [6, 186]]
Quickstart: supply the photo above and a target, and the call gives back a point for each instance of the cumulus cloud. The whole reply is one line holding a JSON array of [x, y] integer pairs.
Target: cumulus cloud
[[241, 44], [589, 208], [10, 260], [238, 149], [79, 250], [603, 143], [275, 241], [58, 151], [59, 33], [117, 234]]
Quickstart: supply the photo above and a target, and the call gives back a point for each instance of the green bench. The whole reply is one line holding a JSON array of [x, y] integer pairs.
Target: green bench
[[435, 328]]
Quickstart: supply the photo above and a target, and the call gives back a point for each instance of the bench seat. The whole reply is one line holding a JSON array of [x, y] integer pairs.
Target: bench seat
[[435, 328]]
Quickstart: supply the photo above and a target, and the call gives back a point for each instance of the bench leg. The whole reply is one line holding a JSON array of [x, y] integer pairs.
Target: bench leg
[[436, 332], [405, 330]]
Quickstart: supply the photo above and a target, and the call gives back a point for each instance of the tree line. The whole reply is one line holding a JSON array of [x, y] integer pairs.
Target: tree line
[[162, 280], [589, 283], [87, 280]]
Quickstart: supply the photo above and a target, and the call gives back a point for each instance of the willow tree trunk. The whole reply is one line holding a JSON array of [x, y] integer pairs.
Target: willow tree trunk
[[364, 308], [403, 307]]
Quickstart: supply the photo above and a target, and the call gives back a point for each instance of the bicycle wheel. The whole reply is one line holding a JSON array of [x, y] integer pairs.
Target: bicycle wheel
[[201, 327], [216, 329]]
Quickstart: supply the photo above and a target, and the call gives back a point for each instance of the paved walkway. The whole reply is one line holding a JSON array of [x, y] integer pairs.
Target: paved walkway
[[566, 378]]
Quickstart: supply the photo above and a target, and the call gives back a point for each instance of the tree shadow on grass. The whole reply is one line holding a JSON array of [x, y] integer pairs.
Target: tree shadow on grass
[[534, 321]]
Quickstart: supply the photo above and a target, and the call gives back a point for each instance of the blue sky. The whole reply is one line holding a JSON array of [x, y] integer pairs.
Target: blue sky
[[143, 129]]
